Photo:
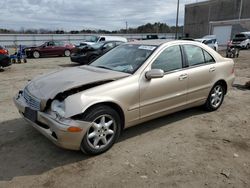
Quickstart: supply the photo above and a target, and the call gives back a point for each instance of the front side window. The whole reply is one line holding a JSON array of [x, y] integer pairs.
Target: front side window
[[102, 39], [169, 60], [50, 43], [194, 55], [209, 42]]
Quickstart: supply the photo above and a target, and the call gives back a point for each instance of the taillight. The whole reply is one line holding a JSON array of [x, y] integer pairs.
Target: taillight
[[232, 70], [229, 43]]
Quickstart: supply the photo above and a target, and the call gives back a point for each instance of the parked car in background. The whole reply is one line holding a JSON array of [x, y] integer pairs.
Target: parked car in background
[[150, 37], [3, 50], [86, 107], [50, 48], [88, 53], [95, 39], [241, 40], [209, 40], [4, 57]]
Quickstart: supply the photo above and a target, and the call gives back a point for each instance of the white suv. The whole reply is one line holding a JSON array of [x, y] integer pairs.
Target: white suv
[[209, 40], [90, 40]]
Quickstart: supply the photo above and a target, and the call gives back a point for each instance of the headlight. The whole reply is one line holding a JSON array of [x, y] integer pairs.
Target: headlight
[[58, 107]]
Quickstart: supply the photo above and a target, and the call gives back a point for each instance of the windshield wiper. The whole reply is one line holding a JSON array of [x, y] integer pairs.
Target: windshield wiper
[[104, 67]]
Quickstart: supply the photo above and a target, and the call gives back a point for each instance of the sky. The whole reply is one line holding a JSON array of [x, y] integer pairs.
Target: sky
[[88, 14]]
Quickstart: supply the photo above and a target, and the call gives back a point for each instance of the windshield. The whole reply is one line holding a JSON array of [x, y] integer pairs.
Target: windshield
[[91, 38], [125, 58]]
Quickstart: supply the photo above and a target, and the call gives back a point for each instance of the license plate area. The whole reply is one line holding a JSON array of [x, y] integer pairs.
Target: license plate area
[[30, 114]]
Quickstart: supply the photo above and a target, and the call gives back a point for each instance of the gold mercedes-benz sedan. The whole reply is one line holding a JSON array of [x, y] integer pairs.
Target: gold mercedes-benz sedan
[[86, 108]]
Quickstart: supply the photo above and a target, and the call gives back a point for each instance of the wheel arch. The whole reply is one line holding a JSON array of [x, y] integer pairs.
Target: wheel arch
[[223, 83], [113, 105]]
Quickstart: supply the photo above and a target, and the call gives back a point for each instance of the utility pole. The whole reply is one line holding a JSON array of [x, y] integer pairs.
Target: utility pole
[[177, 19], [240, 12], [126, 27]]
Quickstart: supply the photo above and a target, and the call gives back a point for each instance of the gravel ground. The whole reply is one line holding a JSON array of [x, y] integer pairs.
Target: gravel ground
[[191, 148]]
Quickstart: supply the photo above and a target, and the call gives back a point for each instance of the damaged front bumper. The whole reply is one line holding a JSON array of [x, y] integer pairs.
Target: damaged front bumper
[[52, 126]]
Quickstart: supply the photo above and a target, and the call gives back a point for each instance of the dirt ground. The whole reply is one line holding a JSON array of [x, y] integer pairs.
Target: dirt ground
[[191, 148]]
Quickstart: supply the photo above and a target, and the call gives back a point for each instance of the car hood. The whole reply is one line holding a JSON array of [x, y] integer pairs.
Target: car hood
[[48, 86]]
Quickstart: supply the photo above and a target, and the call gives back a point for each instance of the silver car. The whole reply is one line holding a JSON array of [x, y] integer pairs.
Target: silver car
[[87, 107]]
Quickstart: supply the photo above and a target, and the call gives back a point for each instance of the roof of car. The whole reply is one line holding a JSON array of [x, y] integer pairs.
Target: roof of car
[[156, 42]]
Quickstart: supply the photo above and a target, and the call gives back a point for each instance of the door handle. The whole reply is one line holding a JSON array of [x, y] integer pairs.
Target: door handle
[[183, 77], [212, 69]]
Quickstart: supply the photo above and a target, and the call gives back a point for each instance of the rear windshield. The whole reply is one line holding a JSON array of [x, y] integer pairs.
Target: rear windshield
[[240, 36]]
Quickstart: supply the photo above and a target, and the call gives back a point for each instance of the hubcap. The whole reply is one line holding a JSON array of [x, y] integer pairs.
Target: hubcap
[[101, 132], [67, 53], [216, 96], [36, 54]]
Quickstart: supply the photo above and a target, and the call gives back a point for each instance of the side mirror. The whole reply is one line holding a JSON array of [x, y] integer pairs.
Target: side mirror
[[154, 73]]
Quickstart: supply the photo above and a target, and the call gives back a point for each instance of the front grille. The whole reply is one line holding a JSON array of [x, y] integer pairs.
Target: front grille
[[32, 102]]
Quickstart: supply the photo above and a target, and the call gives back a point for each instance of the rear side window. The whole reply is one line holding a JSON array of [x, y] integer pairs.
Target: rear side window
[[194, 55], [208, 57], [169, 60]]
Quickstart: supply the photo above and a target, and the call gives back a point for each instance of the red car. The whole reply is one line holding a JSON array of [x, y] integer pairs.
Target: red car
[[3, 51], [51, 48], [4, 57]]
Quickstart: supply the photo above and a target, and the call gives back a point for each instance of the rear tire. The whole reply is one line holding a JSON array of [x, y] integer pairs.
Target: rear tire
[[67, 53], [215, 97], [104, 131]]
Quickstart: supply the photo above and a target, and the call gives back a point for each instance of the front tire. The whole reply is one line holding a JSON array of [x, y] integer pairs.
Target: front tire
[[36, 54], [104, 131], [215, 97]]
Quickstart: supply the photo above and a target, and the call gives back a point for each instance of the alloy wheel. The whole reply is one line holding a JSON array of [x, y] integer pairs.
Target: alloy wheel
[[216, 96], [102, 131], [36, 54], [67, 53]]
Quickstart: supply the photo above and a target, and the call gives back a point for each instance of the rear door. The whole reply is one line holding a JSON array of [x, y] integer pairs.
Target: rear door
[[201, 71], [58, 48], [161, 95]]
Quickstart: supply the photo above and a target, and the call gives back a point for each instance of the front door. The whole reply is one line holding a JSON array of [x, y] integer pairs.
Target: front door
[[162, 95], [47, 49]]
